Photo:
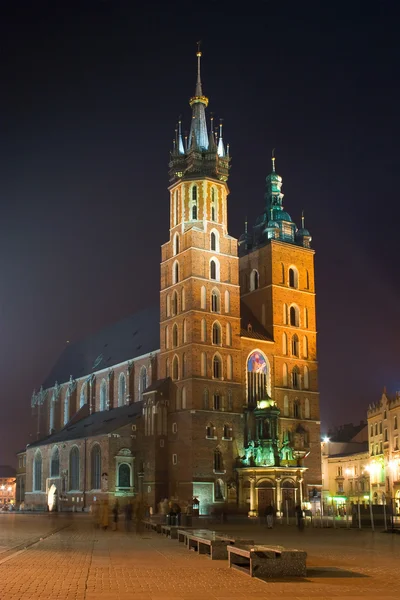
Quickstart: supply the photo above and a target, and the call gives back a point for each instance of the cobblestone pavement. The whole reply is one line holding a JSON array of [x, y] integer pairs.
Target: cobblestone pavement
[[73, 561]]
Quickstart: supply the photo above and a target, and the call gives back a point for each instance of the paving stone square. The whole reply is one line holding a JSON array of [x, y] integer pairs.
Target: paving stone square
[[66, 558]]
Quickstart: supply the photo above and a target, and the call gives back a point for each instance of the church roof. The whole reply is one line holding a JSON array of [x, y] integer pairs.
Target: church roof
[[124, 340], [257, 331], [98, 423]]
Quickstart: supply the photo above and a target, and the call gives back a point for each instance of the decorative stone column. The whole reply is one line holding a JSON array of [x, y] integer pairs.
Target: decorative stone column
[[253, 499], [278, 496], [300, 482]]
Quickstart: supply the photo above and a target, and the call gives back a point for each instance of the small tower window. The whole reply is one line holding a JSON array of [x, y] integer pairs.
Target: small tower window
[[217, 461], [194, 202], [176, 244], [210, 431], [227, 435], [175, 303], [176, 207], [215, 303], [294, 316], [254, 280], [213, 206], [296, 409], [216, 334], [175, 368], [175, 335], [175, 272], [217, 367], [213, 241], [295, 345], [213, 270], [293, 278], [217, 402], [295, 378]]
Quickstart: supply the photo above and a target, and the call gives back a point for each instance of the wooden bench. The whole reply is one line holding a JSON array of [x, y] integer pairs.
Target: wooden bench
[[152, 525], [170, 531], [212, 543], [182, 533], [268, 561]]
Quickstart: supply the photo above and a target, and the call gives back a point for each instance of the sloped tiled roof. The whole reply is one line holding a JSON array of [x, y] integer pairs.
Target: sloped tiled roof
[[99, 423], [258, 331], [127, 339]]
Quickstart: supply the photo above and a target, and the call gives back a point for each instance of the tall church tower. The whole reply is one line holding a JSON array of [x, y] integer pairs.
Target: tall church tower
[[199, 311], [277, 287]]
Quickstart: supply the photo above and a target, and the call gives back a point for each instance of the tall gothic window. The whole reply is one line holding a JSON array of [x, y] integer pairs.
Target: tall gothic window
[[217, 401], [66, 407], [176, 212], [74, 470], [52, 410], [217, 461], [214, 269], [194, 202], [55, 462], [142, 381], [175, 368], [295, 378], [83, 396], [257, 377], [103, 396], [206, 405], [175, 303], [293, 278], [95, 467], [175, 335], [254, 280], [121, 389], [124, 475], [295, 345], [176, 243], [213, 206], [294, 316], [37, 472]]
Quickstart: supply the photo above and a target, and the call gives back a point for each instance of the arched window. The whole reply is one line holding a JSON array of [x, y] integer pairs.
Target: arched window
[[306, 378], [230, 400], [213, 206], [305, 347], [293, 277], [183, 398], [194, 203], [74, 470], [55, 462], [175, 368], [103, 397], [124, 475], [227, 301], [176, 208], [66, 407], [258, 377], [203, 364], [37, 472], [217, 401], [218, 464], [295, 378], [51, 416], [95, 464], [215, 301], [175, 335], [254, 280], [306, 408], [142, 381], [216, 334], [175, 272], [296, 409], [285, 406], [168, 305], [217, 367], [175, 303], [213, 270], [285, 314], [184, 331], [284, 343], [167, 337], [294, 316], [229, 367], [213, 241], [183, 365], [167, 367], [305, 318], [228, 334], [121, 389], [203, 330], [183, 303], [285, 375], [210, 431], [203, 297], [176, 244], [83, 395], [395, 422], [206, 402], [295, 345], [227, 432]]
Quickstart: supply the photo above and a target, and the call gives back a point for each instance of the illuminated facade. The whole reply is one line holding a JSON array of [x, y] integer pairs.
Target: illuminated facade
[[222, 404], [7, 486], [384, 450]]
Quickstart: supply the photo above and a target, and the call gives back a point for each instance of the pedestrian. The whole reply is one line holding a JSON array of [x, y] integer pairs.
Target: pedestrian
[[128, 516], [95, 509], [115, 513], [299, 517], [104, 514], [270, 514]]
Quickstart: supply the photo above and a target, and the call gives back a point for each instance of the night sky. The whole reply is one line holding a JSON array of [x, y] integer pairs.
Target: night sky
[[90, 94]]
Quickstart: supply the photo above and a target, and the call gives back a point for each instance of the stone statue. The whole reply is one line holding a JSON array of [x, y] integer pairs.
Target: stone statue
[[249, 453], [286, 452]]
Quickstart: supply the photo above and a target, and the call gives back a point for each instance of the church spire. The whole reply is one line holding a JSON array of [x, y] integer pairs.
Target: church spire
[[199, 103]]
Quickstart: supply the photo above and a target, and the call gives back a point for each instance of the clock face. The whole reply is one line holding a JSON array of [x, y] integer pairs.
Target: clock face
[[97, 362]]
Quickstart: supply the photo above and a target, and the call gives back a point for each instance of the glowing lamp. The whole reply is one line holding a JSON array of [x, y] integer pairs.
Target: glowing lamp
[[326, 439]]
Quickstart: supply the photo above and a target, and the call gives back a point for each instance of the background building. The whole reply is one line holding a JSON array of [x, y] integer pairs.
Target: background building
[[7, 486], [214, 394]]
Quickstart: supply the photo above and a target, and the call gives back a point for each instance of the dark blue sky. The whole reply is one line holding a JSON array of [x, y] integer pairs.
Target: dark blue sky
[[90, 95]]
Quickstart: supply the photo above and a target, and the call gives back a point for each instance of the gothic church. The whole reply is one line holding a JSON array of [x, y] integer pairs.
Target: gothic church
[[212, 395]]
